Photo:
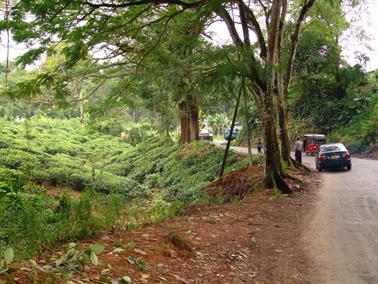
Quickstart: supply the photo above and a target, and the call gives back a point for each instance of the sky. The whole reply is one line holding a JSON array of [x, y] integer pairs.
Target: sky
[[365, 18]]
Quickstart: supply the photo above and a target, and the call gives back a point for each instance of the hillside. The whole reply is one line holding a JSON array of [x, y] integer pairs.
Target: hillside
[[43, 154]]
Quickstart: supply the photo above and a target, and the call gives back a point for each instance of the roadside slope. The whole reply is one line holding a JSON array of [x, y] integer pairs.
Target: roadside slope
[[255, 240]]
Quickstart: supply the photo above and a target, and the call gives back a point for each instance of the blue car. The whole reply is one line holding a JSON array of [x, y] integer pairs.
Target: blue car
[[233, 135], [331, 156]]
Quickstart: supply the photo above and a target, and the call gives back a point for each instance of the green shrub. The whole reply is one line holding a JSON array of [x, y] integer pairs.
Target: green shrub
[[138, 133], [31, 219]]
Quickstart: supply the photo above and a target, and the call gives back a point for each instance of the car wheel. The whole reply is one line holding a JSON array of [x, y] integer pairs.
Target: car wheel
[[349, 167], [319, 169]]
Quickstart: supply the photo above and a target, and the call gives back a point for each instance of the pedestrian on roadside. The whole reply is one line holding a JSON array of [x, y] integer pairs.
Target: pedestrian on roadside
[[259, 146], [298, 150]]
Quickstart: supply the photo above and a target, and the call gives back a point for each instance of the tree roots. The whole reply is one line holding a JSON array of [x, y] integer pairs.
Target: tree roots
[[300, 166]]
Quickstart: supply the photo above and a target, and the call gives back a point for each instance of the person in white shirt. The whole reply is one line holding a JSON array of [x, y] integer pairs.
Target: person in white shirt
[[298, 150]]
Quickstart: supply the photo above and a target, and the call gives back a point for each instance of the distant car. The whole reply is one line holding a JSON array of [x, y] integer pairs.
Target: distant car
[[206, 134], [233, 135], [332, 156]]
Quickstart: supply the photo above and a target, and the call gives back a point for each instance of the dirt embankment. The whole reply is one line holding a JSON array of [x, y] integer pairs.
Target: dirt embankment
[[371, 154], [253, 240]]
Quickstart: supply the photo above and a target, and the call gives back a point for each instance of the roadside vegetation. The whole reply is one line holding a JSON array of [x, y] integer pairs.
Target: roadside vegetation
[[346, 107], [102, 132], [162, 178]]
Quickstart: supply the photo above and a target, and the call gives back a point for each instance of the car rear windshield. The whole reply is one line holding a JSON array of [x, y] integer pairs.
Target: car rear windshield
[[332, 148]]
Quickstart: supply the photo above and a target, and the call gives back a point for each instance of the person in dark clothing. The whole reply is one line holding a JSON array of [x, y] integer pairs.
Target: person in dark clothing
[[298, 150], [259, 146]]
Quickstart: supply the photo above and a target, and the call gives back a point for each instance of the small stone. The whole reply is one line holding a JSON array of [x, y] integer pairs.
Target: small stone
[[105, 271], [199, 254], [172, 253], [145, 276], [140, 251]]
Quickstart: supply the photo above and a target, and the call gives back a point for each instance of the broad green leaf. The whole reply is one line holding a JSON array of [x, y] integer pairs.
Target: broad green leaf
[[85, 258], [96, 248], [8, 255], [94, 258]]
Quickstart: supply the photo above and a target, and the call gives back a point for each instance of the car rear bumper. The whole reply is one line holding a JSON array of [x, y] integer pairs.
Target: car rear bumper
[[232, 137], [334, 164]]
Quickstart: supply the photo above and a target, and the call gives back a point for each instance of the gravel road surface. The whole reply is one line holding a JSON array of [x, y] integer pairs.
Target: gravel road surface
[[341, 237], [342, 233]]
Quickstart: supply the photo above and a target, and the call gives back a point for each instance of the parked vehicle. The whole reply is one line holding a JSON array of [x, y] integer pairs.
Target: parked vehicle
[[233, 135], [312, 143], [206, 134], [333, 156]]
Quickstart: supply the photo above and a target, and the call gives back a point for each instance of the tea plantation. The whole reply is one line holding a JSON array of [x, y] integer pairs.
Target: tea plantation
[[110, 171]]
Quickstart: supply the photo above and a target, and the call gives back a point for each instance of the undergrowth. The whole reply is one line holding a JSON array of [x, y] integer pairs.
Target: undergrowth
[[151, 181]]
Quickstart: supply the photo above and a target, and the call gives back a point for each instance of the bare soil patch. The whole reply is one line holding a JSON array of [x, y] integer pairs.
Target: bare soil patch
[[56, 191], [254, 240], [371, 154], [236, 184]]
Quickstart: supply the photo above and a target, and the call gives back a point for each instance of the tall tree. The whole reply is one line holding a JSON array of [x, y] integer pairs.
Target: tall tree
[[116, 27]]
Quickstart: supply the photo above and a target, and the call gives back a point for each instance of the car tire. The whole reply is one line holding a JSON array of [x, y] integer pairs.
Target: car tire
[[319, 169], [349, 167]]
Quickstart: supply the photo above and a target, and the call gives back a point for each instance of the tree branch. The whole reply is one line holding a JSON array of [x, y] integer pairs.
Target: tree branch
[[251, 18], [294, 41], [281, 29], [91, 93], [138, 3], [223, 13], [244, 24]]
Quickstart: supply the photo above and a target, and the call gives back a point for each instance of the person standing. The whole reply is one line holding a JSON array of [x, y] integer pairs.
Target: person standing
[[259, 146], [298, 150]]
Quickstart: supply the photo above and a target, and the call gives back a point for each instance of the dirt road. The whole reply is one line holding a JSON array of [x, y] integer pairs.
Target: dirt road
[[341, 237]]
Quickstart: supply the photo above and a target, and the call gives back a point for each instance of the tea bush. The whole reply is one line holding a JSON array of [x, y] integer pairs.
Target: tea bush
[[66, 153], [162, 178]]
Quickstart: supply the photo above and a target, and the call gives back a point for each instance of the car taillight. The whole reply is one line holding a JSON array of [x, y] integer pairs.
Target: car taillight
[[322, 158], [346, 155]]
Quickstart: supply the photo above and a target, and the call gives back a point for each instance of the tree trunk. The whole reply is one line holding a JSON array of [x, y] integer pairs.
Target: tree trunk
[[189, 120], [193, 118], [282, 121], [247, 127], [273, 166], [81, 107], [184, 123]]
